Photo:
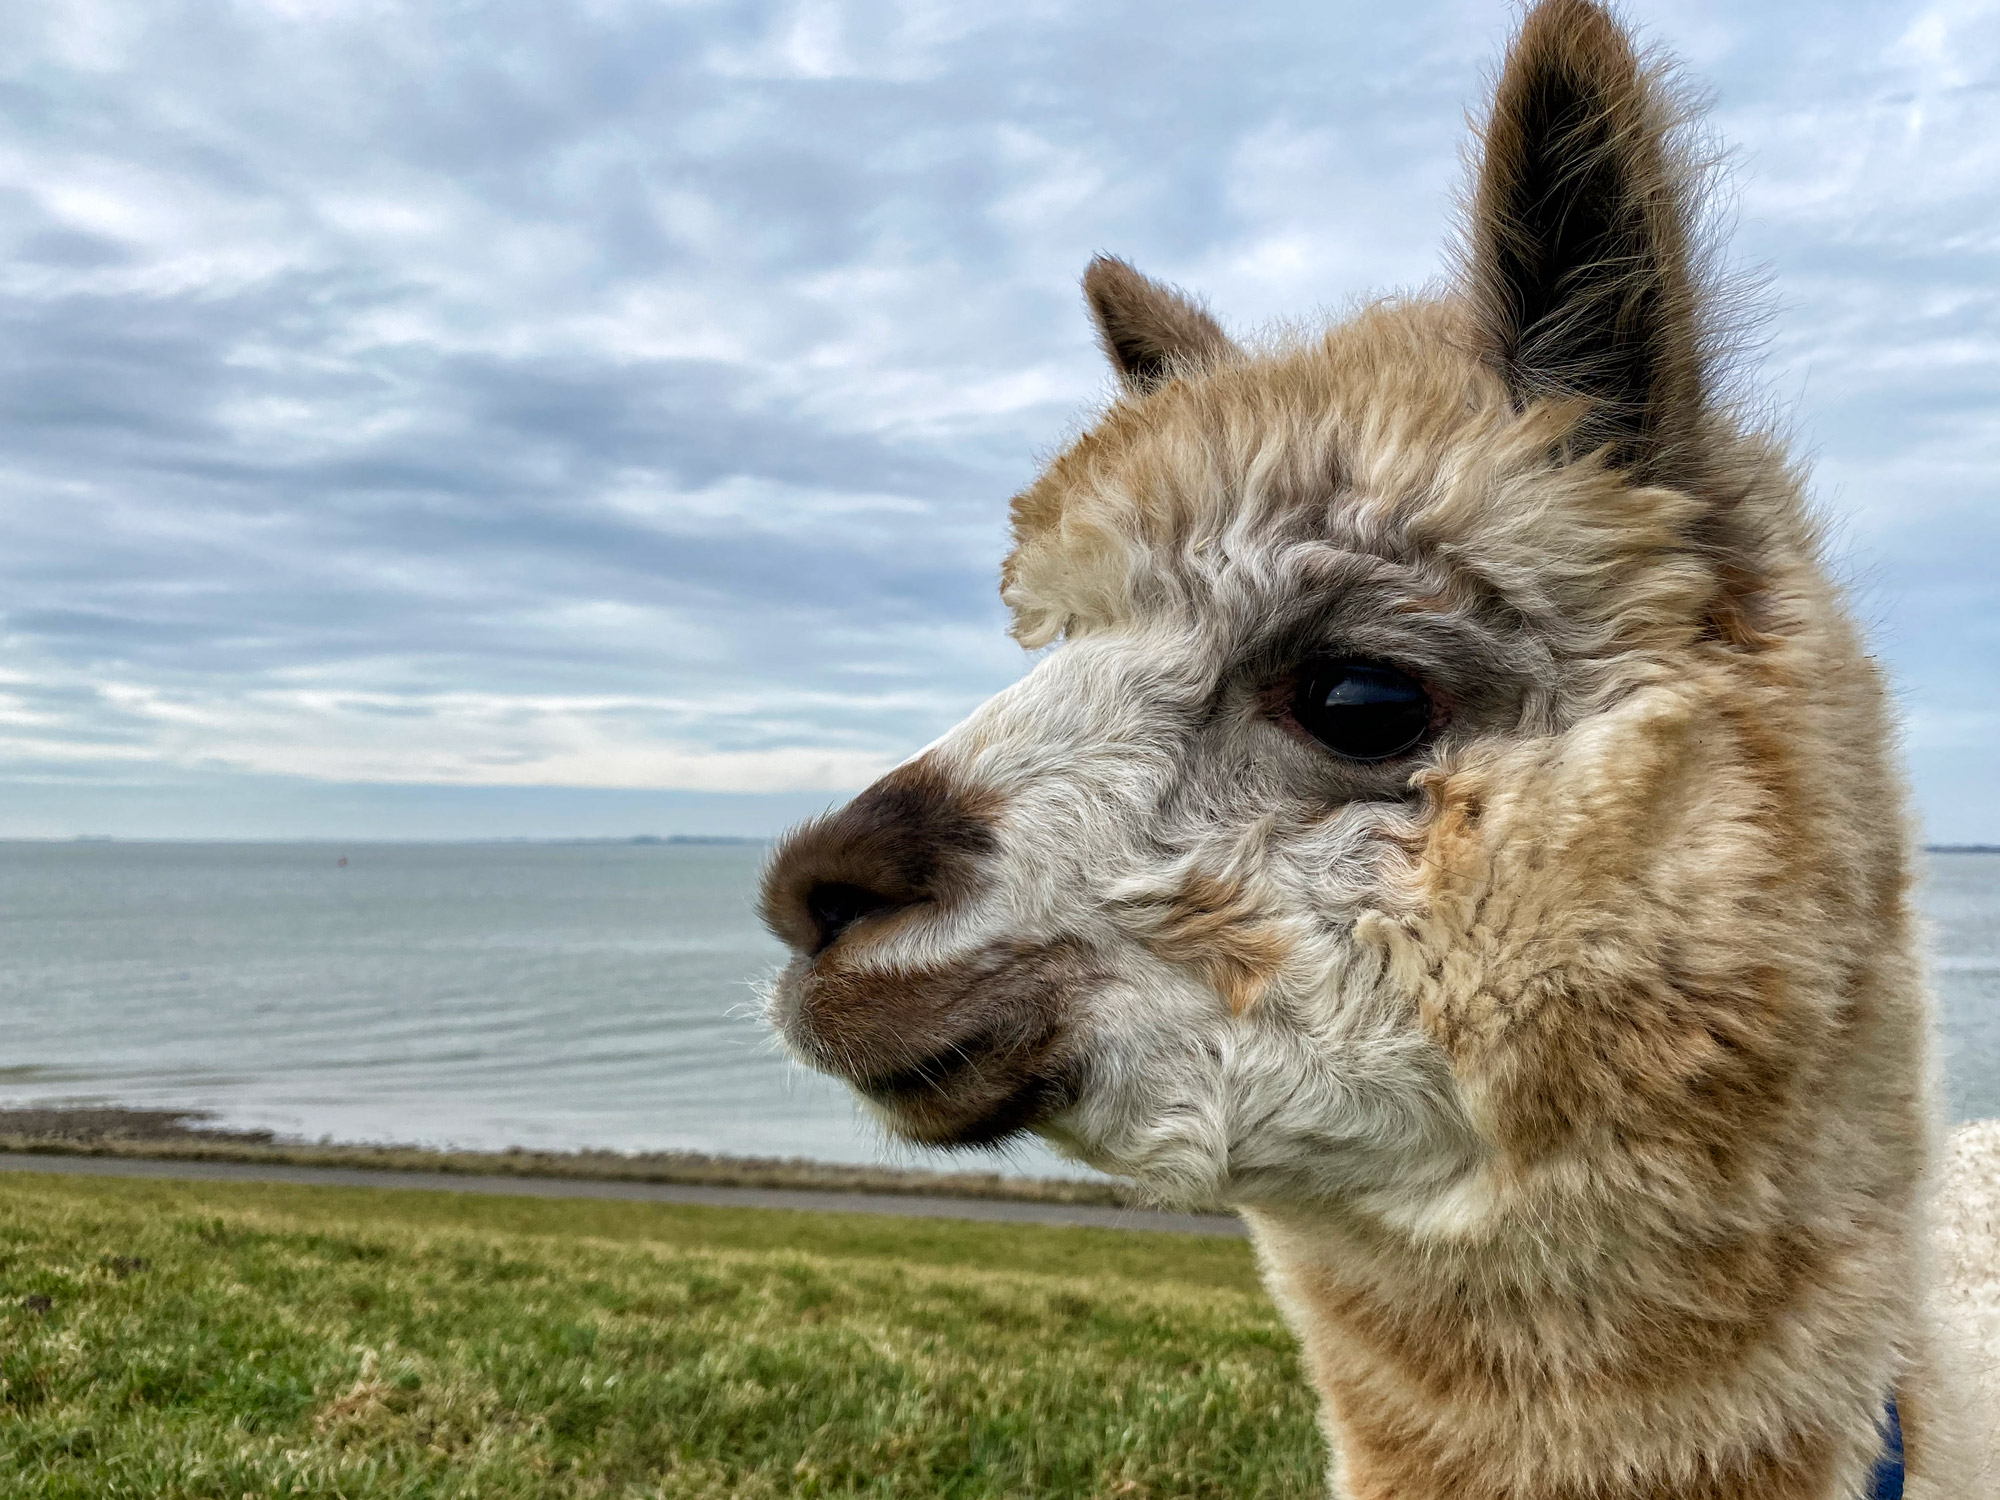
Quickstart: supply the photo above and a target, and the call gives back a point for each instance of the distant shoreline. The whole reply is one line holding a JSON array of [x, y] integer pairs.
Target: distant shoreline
[[639, 840], [189, 1135], [636, 840]]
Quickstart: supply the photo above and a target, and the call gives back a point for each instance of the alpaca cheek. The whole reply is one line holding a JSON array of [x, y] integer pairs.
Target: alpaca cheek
[[1603, 945], [1216, 928]]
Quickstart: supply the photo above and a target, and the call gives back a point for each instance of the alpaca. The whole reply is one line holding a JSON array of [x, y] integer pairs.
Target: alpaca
[[1457, 825]]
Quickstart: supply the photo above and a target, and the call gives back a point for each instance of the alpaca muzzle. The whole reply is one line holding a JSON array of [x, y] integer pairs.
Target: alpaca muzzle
[[962, 1054], [963, 1050]]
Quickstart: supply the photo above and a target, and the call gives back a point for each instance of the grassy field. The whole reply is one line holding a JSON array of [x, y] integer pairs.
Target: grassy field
[[223, 1341]]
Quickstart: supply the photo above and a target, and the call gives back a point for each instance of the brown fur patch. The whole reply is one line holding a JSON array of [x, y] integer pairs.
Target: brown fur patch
[[1404, 1470], [1488, 1342], [960, 1054], [1558, 993], [1213, 925], [1738, 617], [1250, 444], [1465, 1383]]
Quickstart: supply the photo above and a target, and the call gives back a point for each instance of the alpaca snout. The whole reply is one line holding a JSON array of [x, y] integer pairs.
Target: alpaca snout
[[915, 839], [954, 1040]]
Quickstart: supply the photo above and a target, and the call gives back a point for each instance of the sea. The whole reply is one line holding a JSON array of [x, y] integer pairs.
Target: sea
[[552, 996]]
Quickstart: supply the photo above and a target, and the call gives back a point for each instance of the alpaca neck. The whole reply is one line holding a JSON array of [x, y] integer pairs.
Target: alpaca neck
[[1444, 1376]]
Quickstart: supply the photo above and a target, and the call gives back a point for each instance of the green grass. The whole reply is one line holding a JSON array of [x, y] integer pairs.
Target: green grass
[[229, 1340]]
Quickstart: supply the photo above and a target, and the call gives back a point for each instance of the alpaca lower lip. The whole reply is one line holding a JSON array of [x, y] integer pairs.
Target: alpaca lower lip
[[933, 1117], [953, 1061], [960, 1053], [974, 1093]]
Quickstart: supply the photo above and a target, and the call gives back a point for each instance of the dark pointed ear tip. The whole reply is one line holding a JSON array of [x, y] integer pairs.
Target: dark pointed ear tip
[[1586, 30], [1149, 330], [1581, 12], [1109, 273]]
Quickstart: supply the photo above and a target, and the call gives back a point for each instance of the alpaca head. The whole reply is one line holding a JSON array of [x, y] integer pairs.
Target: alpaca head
[[1398, 685]]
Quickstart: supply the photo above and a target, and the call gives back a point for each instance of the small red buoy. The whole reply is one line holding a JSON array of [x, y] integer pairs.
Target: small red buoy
[[342, 861]]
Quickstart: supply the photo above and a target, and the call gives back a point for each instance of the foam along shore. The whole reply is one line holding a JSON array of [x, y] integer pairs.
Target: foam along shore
[[189, 1135]]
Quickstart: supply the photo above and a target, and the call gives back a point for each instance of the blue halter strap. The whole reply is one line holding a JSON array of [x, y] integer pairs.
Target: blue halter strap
[[1888, 1481]]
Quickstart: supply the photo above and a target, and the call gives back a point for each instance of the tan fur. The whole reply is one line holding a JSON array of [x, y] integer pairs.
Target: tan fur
[[1214, 918], [1216, 927], [1573, 1070]]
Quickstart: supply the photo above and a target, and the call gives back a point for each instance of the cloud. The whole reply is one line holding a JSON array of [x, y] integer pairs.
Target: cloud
[[628, 394]]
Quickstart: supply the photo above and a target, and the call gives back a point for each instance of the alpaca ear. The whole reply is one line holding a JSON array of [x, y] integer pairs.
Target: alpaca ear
[[1582, 267], [1150, 331]]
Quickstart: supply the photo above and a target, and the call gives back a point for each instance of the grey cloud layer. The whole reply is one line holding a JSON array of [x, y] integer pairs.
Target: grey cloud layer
[[627, 395]]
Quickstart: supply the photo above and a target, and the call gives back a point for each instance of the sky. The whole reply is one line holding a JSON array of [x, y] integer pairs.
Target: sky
[[594, 419]]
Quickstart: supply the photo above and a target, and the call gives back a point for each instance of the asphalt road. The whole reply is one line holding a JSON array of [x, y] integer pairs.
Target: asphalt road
[[909, 1206]]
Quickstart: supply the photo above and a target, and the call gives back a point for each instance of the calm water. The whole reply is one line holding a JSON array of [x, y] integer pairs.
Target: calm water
[[513, 994], [1962, 898]]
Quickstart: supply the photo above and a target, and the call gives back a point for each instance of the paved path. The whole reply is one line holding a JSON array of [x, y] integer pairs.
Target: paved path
[[909, 1206]]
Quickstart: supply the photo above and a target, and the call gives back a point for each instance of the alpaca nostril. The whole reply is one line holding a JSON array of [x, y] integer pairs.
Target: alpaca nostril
[[914, 839], [834, 906]]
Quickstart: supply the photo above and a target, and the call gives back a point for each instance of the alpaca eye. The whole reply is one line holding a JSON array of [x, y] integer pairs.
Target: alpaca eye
[[1361, 711]]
